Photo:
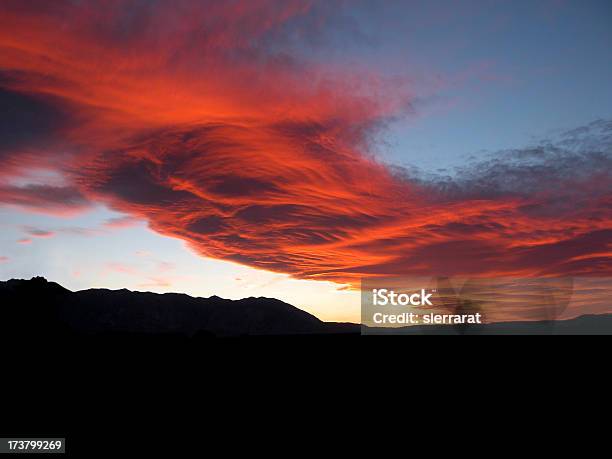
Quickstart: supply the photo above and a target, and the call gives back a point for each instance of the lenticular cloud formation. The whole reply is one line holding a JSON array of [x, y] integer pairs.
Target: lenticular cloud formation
[[204, 119]]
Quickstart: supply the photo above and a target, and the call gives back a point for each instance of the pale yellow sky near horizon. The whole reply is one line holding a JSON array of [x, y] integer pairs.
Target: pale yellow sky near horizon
[[139, 259]]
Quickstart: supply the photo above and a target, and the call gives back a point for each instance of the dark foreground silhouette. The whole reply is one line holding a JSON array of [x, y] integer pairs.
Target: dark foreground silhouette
[[40, 307], [46, 310]]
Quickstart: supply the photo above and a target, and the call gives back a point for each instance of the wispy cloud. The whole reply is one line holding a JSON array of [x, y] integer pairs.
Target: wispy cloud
[[122, 268], [66, 201], [156, 282], [38, 233], [121, 222], [159, 273]]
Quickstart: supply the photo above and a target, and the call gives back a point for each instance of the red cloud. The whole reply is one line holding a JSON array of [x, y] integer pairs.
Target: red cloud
[[194, 117]]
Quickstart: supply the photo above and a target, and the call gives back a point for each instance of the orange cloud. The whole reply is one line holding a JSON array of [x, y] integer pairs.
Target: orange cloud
[[195, 116]]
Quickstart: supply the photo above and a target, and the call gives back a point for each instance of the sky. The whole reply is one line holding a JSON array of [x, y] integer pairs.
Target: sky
[[291, 148]]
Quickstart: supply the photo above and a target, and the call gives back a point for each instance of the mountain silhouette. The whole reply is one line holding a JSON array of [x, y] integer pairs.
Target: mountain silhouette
[[46, 308], [39, 309]]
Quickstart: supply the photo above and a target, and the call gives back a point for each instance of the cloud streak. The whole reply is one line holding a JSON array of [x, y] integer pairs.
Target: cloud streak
[[44, 199], [39, 233], [197, 118]]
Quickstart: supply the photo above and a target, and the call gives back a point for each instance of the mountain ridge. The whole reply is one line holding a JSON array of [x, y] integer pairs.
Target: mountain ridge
[[38, 302], [41, 307]]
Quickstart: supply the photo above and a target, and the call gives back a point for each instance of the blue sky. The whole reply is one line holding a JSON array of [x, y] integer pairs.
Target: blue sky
[[493, 75]]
